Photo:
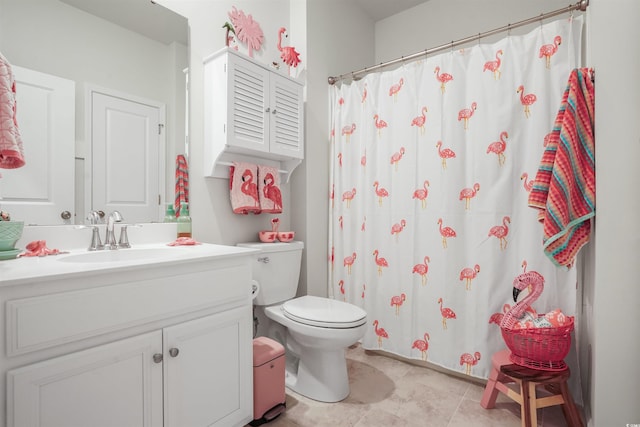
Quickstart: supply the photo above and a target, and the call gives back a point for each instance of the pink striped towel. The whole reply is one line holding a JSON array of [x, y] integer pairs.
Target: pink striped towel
[[182, 183], [269, 189], [11, 152], [243, 188], [564, 190]]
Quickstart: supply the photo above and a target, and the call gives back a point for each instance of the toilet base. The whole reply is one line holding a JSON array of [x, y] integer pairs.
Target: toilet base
[[321, 375]]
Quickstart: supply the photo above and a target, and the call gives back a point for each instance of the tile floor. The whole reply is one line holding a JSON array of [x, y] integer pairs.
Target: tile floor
[[388, 392]]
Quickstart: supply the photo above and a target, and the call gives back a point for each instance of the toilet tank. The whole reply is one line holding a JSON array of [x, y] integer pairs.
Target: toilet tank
[[276, 268]]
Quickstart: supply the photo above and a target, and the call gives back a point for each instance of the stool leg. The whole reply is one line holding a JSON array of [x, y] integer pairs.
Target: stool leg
[[569, 408], [490, 393], [525, 408]]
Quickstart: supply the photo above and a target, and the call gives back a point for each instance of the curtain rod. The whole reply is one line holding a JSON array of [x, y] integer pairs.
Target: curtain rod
[[580, 5]]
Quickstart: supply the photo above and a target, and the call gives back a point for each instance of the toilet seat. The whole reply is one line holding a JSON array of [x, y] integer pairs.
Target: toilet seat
[[324, 312]]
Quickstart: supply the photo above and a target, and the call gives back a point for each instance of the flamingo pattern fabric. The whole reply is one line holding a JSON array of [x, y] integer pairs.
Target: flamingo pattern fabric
[[269, 189], [243, 186], [447, 218]]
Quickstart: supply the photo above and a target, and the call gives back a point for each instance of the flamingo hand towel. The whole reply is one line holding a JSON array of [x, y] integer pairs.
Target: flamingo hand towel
[[565, 184], [269, 189], [243, 187], [11, 152]]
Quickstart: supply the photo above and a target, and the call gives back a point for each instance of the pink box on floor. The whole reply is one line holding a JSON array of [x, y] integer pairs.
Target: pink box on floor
[[268, 380]]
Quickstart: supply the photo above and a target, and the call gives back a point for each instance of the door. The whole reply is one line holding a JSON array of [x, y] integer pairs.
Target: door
[[117, 384], [127, 156], [208, 371], [43, 189]]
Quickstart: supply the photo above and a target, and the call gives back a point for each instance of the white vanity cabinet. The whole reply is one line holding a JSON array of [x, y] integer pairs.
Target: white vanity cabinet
[[167, 344], [252, 110]]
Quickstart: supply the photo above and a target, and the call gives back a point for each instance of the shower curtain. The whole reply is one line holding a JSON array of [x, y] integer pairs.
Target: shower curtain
[[432, 164]]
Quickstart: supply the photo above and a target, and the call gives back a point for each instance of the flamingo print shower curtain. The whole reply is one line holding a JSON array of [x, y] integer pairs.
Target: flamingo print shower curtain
[[432, 164]]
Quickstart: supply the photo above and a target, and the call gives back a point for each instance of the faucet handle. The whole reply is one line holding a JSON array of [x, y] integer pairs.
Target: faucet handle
[[123, 242], [96, 243]]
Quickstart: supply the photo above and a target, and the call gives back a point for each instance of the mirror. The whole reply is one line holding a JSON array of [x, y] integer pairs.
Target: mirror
[[134, 49]]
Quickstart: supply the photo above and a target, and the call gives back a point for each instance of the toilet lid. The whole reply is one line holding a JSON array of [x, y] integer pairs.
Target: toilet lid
[[324, 312]]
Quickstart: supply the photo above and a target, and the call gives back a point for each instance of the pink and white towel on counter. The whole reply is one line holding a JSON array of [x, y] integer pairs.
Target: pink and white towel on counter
[[11, 152], [269, 189], [243, 187]]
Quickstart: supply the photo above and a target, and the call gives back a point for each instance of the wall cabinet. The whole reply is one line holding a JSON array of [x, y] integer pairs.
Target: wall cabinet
[[195, 365], [252, 112]]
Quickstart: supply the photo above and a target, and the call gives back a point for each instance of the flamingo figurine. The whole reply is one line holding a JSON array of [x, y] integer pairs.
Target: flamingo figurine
[[531, 278], [287, 53]]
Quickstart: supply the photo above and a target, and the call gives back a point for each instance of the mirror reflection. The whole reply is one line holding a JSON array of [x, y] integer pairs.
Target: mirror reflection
[[101, 99]]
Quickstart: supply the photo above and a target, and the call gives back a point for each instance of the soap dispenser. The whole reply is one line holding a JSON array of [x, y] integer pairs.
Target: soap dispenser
[[170, 214], [184, 221]]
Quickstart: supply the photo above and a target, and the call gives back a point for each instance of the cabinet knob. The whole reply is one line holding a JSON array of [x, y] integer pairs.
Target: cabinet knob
[[173, 352], [267, 110], [274, 111], [65, 215], [157, 358]]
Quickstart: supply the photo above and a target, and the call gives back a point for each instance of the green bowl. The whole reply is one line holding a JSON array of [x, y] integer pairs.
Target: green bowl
[[10, 233]]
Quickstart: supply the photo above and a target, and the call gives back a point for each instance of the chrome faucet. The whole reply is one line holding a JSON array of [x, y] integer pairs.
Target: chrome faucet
[[110, 238]]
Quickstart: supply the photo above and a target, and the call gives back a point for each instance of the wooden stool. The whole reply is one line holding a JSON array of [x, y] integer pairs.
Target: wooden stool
[[503, 371]]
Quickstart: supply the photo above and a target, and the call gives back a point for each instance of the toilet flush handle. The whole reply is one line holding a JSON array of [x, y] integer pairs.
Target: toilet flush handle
[[264, 259]]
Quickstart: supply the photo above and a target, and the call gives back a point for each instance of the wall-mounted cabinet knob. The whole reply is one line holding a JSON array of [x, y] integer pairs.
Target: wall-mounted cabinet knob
[[274, 111], [173, 352], [157, 358], [267, 110]]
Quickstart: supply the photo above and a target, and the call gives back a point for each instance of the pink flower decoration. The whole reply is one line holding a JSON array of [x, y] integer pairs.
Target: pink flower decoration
[[247, 30]]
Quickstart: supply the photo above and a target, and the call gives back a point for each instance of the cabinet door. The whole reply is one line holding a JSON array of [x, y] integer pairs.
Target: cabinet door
[[208, 371], [116, 384], [248, 108], [286, 127]]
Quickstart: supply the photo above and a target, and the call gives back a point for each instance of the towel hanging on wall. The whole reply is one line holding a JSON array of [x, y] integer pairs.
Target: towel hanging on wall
[[269, 189], [11, 151], [182, 183], [244, 188], [565, 186]]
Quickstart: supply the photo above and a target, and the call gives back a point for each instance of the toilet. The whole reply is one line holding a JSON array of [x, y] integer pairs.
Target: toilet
[[315, 331]]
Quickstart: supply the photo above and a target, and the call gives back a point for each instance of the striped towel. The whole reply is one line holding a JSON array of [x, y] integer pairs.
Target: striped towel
[[11, 151], [182, 183], [565, 186]]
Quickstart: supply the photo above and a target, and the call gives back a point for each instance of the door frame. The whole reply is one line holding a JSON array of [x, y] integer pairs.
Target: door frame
[[91, 89]]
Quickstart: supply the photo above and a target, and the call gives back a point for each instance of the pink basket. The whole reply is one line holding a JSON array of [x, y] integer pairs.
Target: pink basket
[[539, 348]]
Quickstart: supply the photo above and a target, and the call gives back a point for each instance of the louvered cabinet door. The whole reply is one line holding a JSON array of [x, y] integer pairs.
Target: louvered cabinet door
[[248, 108], [286, 130]]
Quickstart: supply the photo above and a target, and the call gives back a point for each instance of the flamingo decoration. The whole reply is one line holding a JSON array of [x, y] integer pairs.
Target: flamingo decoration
[[494, 66], [422, 269], [380, 262], [249, 187], [348, 196], [532, 280], [468, 274], [380, 332], [468, 193], [287, 53], [420, 120], [445, 154], [498, 147], [397, 300], [272, 192], [446, 313], [348, 262], [422, 345], [526, 100], [394, 89], [469, 360], [397, 228], [442, 78], [501, 232], [396, 157], [380, 192], [422, 193], [380, 124], [348, 131], [445, 233], [341, 285], [528, 185], [548, 50], [466, 113]]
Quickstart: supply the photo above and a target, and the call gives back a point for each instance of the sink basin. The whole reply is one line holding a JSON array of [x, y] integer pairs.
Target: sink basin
[[119, 255]]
